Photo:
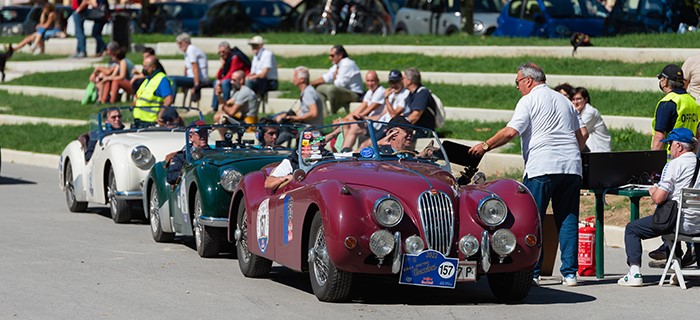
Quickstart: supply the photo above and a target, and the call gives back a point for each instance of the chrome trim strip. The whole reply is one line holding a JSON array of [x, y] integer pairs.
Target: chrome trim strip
[[128, 195], [398, 253], [213, 222], [437, 218], [485, 251]]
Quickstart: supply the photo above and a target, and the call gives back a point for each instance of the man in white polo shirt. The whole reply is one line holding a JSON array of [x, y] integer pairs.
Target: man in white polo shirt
[[551, 138]]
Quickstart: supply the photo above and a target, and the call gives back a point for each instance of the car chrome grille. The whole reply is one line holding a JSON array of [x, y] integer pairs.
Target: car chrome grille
[[437, 217]]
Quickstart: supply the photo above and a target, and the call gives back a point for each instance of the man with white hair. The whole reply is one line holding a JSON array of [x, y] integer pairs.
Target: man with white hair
[[196, 66], [263, 69]]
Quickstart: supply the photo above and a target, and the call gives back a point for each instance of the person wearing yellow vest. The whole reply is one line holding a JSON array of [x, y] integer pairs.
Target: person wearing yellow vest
[[154, 92], [678, 109]]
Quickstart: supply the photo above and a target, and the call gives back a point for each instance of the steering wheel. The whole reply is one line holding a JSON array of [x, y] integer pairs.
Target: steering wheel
[[402, 151]]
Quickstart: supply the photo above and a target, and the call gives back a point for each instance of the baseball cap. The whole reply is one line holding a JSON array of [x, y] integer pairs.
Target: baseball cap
[[681, 135], [198, 130], [671, 72], [399, 121], [395, 75], [256, 40]]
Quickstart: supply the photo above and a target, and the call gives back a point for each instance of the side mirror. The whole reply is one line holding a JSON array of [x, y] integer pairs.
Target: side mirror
[[479, 178], [299, 175]]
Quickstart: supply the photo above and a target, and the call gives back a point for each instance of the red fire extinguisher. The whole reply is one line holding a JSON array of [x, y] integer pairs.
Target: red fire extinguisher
[[586, 248]]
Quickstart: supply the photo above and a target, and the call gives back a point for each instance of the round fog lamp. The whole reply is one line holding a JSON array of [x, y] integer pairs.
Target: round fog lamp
[[469, 245], [381, 243], [503, 242], [414, 244]]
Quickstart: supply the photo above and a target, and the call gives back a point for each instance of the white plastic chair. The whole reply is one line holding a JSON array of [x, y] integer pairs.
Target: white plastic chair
[[689, 208]]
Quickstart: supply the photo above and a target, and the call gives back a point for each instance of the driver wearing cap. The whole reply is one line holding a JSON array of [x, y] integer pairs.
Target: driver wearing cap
[[199, 140]]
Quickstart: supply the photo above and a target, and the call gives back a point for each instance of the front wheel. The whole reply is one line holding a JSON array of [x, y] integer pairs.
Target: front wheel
[[73, 205], [251, 265], [205, 237], [511, 287], [315, 22], [329, 283], [119, 209], [154, 217], [369, 23]]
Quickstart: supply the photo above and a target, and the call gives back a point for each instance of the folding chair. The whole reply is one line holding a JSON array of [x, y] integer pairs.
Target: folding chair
[[688, 208]]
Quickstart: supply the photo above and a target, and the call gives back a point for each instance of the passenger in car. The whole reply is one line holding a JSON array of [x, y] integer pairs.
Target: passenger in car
[[199, 140]]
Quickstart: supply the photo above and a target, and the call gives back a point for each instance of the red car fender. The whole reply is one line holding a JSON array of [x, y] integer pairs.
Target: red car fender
[[523, 219]]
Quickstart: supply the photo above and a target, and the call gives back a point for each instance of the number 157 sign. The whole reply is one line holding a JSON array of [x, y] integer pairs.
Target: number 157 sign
[[429, 269]]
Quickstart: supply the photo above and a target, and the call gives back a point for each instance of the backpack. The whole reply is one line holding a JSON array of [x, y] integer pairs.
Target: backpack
[[439, 111]]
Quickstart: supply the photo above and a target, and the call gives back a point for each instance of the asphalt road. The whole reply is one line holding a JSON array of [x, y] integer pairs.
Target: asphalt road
[[60, 265]]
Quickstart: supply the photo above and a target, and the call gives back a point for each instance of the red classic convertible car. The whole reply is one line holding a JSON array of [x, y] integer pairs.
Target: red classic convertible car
[[385, 209]]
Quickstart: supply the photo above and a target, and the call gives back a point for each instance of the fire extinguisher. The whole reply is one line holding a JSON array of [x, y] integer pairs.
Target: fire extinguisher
[[586, 248]]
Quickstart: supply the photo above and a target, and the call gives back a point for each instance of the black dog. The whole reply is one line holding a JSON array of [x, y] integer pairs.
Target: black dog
[[3, 60]]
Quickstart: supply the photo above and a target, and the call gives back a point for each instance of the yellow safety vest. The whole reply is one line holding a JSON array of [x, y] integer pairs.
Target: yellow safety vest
[[146, 97], [687, 108]]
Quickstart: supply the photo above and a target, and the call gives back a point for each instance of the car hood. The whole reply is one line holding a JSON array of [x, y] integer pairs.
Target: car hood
[[386, 175], [239, 156], [159, 142]]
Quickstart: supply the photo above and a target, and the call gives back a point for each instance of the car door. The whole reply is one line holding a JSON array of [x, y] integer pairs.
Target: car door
[[416, 17], [229, 19], [519, 18]]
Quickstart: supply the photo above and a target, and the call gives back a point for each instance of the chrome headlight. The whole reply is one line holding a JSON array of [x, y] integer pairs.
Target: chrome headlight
[[381, 243], [142, 157], [492, 210], [478, 26], [503, 242], [414, 245], [469, 245], [387, 211], [229, 178]]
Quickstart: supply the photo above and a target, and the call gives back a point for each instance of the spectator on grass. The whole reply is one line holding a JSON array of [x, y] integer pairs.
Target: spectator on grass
[[263, 70], [342, 84], [49, 25], [119, 78], [195, 72], [598, 135], [231, 61]]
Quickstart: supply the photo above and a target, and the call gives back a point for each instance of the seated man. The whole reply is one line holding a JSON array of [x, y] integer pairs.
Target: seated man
[[677, 174], [372, 107], [113, 121], [199, 140], [243, 106], [399, 140]]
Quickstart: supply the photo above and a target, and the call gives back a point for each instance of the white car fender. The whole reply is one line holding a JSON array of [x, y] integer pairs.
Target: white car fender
[[74, 155]]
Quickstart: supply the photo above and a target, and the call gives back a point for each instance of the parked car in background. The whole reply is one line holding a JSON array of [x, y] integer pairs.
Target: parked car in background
[[650, 16], [198, 204], [224, 17], [551, 18], [389, 210], [22, 20], [445, 17], [173, 17]]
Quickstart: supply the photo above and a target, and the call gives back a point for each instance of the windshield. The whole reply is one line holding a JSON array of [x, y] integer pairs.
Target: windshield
[[575, 9], [377, 141], [118, 119], [204, 141]]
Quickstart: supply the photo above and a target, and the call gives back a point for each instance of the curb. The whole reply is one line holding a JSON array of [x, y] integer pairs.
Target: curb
[[30, 158]]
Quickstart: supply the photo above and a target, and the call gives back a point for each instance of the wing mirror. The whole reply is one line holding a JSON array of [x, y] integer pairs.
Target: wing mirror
[[299, 175]]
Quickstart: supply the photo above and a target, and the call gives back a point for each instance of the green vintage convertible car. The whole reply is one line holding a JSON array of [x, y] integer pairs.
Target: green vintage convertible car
[[189, 193]]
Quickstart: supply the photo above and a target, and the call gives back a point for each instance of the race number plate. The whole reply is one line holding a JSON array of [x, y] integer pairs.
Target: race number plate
[[429, 269], [466, 271]]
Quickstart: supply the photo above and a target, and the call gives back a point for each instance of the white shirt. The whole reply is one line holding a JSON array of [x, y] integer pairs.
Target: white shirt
[[677, 174], [196, 55], [282, 169], [599, 137], [397, 100], [348, 76], [547, 124], [375, 97], [264, 59]]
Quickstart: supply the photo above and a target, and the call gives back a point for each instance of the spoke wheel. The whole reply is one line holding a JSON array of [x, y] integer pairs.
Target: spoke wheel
[[314, 22], [328, 283], [119, 209], [205, 237], [154, 217], [251, 265], [370, 23], [511, 287], [73, 205]]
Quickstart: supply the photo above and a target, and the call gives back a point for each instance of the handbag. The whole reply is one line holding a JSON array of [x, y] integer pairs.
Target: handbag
[[90, 95], [664, 219], [100, 13]]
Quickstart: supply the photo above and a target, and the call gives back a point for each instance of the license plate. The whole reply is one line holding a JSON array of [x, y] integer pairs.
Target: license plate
[[428, 269], [466, 271]]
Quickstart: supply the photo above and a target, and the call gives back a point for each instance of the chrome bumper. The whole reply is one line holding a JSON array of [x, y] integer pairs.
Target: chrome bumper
[[128, 195], [213, 222]]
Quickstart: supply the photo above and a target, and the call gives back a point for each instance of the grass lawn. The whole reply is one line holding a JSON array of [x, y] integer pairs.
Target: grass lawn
[[39, 138], [666, 40], [45, 106]]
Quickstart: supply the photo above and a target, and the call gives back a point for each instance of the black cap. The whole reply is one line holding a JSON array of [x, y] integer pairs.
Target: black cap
[[395, 75], [672, 72], [399, 121]]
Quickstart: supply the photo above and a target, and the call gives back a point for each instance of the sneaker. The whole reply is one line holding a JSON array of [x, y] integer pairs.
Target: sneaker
[[79, 55], [569, 280], [631, 280], [658, 264], [536, 281]]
